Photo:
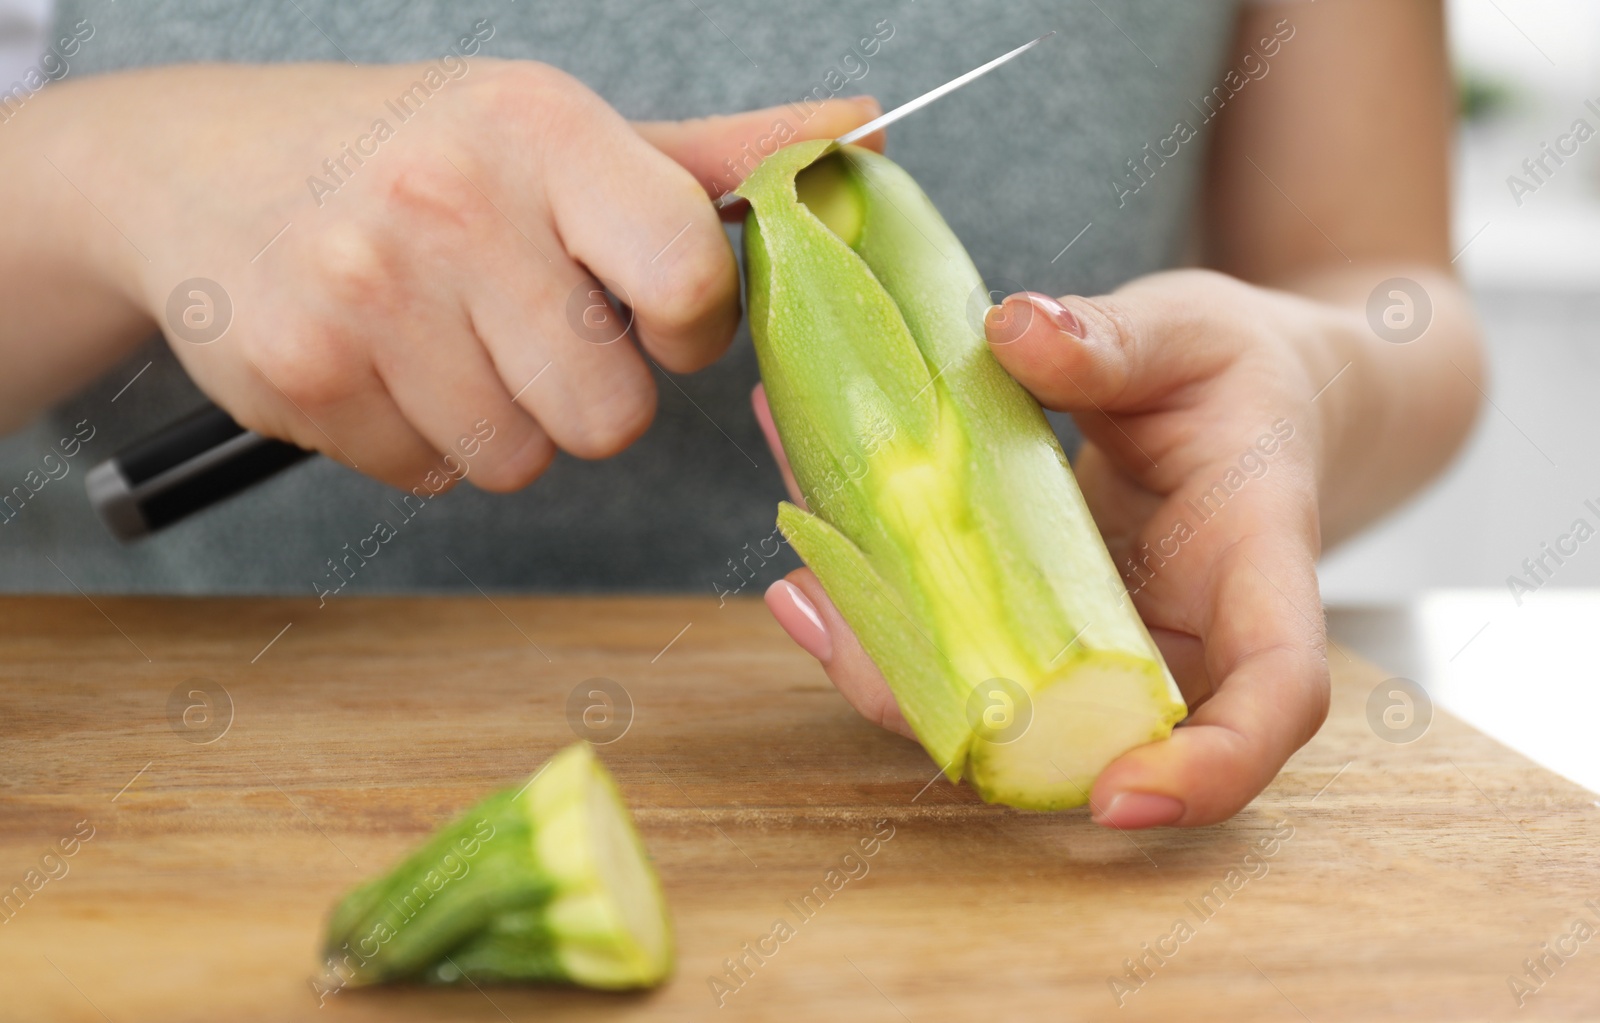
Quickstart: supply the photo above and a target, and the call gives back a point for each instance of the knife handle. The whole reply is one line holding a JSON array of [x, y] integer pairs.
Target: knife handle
[[184, 468]]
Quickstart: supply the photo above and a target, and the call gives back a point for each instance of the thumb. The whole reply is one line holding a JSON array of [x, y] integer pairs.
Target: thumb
[[721, 151], [1117, 353]]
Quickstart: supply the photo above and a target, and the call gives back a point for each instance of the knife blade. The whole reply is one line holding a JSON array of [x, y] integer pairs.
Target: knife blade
[[912, 106]]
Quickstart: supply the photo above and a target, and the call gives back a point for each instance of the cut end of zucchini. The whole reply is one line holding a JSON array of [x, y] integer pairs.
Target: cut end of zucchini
[[546, 883], [1099, 708], [609, 916]]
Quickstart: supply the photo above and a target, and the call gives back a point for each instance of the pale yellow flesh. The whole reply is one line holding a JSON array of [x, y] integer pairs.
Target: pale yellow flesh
[[611, 915], [1100, 708], [620, 862]]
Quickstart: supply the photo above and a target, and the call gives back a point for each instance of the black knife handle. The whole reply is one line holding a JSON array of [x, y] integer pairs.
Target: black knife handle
[[187, 467]]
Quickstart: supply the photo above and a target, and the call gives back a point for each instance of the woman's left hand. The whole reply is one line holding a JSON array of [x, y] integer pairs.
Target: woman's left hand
[[1201, 401]]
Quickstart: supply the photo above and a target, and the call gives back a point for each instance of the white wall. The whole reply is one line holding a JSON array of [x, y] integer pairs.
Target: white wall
[[22, 41], [1535, 269]]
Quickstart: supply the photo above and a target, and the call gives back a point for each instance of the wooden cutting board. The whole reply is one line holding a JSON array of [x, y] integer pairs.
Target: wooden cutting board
[[1403, 882]]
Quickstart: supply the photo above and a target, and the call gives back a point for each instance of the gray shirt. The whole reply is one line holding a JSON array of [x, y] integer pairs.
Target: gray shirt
[[1043, 170]]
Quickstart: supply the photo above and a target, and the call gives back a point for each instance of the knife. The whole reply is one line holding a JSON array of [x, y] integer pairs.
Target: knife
[[206, 457], [912, 106]]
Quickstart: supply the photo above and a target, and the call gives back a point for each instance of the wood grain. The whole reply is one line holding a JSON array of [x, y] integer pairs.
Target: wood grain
[[1417, 878]]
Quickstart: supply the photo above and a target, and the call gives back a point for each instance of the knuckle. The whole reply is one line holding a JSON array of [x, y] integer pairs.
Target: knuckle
[[1113, 325], [434, 194], [312, 368], [609, 426], [351, 267], [532, 94], [419, 472], [695, 282], [521, 468], [1121, 328]]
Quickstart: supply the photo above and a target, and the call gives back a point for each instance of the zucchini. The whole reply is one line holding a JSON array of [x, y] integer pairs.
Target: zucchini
[[944, 520]]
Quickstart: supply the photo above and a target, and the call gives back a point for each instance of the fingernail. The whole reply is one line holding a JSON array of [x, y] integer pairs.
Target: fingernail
[[869, 106], [799, 619], [1011, 319], [1059, 315], [1131, 810]]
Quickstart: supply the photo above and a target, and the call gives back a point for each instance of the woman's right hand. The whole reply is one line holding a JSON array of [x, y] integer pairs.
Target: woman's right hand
[[411, 253]]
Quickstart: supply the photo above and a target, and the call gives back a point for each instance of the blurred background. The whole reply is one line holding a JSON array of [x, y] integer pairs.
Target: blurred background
[[1525, 68], [1427, 594]]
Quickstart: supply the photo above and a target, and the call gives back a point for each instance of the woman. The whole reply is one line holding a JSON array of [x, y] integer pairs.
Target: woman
[[405, 256]]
